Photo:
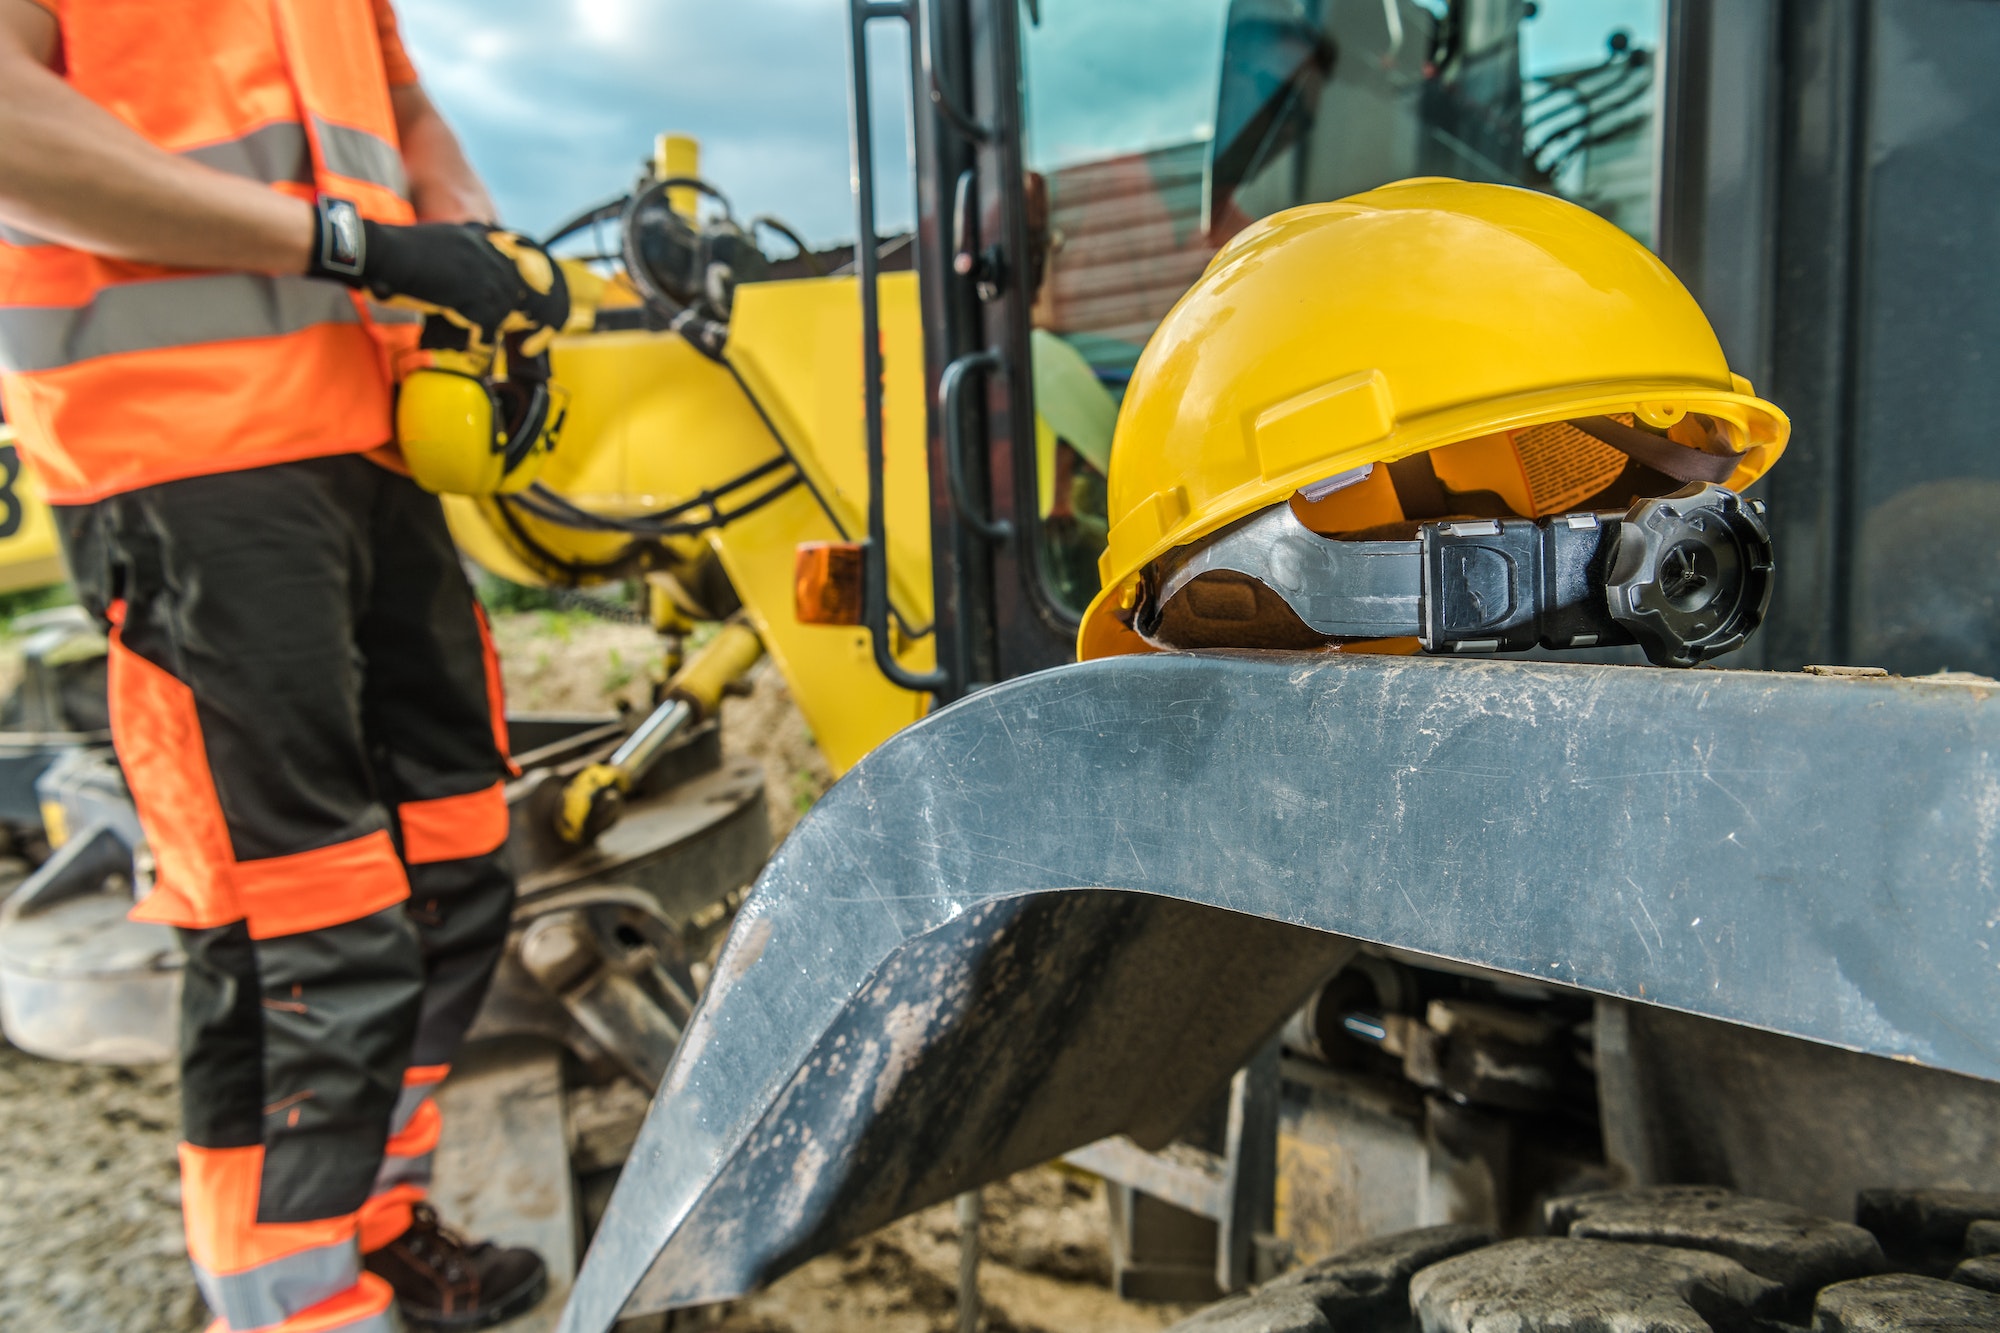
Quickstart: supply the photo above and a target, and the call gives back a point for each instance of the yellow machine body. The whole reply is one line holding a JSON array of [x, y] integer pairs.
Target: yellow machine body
[[30, 556], [653, 423]]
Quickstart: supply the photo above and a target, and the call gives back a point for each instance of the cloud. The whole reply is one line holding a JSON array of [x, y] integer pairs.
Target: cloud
[[557, 101]]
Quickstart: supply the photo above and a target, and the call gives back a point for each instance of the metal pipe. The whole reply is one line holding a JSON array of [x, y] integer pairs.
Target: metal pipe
[[968, 1261], [643, 746], [594, 799], [695, 692]]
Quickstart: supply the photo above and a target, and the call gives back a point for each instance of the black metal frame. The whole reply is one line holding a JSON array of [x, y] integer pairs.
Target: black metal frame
[[995, 618], [1031, 630], [876, 611], [1817, 233], [1717, 193], [1771, 198]]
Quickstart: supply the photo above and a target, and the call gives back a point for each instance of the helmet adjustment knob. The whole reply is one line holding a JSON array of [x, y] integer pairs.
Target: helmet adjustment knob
[[1690, 576]]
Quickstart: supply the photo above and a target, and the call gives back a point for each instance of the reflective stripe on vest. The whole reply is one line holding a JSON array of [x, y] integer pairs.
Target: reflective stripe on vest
[[278, 154], [361, 156], [172, 312], [273, 154], [273, 1292]]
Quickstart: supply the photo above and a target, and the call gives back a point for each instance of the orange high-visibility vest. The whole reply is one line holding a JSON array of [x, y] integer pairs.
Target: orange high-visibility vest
[[117, 375]]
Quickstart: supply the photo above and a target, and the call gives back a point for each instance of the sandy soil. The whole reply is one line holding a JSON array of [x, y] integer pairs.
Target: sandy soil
[[1044, 1268], [89, 1194]]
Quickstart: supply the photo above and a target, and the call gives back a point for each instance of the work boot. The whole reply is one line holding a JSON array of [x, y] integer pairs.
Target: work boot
[[442, 1281]]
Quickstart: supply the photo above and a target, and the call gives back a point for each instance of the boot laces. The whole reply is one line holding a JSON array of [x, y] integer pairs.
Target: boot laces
[[431, 1242]]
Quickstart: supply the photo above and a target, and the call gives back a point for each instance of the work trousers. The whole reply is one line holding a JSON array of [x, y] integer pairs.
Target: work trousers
[[306, 706]]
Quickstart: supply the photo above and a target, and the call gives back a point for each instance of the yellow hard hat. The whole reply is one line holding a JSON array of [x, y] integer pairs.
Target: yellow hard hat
[[1527, 349], [463, 432]]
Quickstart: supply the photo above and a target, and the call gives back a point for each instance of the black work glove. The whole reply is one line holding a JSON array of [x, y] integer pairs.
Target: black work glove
[[480, 278]]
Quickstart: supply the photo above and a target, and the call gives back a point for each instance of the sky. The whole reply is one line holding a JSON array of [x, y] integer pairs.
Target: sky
[[558, 101]]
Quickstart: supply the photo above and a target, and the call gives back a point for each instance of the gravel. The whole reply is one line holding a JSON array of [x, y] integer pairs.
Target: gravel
[[90, 1199]]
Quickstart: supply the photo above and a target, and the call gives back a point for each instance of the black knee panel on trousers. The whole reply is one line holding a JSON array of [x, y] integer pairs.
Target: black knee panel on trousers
[[340, 1007], [222, 1039], [299, 1043], [461, 910]]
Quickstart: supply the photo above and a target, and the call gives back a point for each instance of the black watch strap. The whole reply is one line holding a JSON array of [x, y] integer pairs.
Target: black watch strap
[[340, 241]]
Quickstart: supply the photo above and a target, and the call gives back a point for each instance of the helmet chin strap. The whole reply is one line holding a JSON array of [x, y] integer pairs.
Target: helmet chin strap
[[1685, 576], [1715, 464]]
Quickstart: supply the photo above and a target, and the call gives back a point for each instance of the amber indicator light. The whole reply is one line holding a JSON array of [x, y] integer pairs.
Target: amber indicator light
[[826, 583]]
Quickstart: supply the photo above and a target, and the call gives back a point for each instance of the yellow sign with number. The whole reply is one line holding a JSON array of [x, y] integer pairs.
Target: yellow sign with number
[[30, 556]]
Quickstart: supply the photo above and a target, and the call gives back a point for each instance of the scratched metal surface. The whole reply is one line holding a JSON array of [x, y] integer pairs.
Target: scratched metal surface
[[1812, 856]]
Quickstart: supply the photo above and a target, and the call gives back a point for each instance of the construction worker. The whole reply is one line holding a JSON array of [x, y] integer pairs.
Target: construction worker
[[197, 202]]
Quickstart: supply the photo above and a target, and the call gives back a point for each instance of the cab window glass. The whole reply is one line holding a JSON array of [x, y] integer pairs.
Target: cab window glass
[[1160, 128]]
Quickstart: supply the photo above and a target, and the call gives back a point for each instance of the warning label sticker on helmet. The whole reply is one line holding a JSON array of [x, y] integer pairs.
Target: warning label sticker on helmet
[[1564, 466]]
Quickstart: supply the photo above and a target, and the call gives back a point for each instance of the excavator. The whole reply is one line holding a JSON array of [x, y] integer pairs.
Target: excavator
[[1456, 978]]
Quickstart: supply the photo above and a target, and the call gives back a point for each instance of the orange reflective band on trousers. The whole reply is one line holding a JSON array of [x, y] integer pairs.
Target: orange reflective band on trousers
[[452, 828], [407, 1159], [199, 882], [294, 1277], [496, 692], [158, 737], [118, 375], [290, 895]]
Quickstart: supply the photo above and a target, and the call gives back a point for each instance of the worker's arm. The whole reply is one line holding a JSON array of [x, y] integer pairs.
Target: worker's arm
[[72, 172], [443, 185]]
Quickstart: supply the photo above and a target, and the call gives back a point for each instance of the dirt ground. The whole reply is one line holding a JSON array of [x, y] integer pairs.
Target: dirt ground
[[90, 1196], [90, 1201], [1045, 1268]]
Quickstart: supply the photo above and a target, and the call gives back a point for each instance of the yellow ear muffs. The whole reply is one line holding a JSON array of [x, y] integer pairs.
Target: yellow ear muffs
[[465, 435]]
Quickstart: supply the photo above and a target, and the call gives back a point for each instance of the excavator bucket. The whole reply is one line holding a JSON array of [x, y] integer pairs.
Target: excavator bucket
[[1072, 904]]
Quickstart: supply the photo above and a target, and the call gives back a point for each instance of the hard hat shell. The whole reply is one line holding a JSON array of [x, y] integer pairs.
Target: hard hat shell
[[1328, 338], [453, 432]]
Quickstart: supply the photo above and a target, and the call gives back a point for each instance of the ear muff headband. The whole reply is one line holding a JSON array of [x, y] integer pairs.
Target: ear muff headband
[[520, 412]]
